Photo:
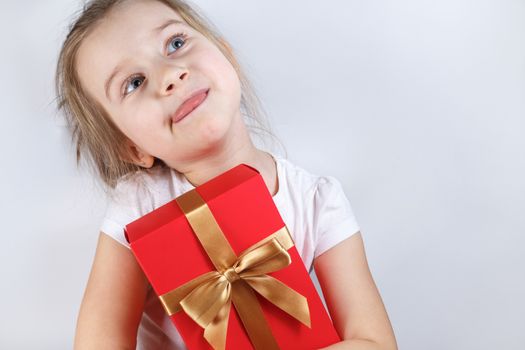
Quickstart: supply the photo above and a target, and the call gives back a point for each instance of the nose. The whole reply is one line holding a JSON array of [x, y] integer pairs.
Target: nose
[[170, 77]]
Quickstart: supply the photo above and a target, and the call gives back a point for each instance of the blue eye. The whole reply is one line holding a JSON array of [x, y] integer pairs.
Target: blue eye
[[133, 83], [176, 42]]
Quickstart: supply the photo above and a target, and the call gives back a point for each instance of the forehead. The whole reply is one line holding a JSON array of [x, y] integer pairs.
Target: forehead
[[116, 37]]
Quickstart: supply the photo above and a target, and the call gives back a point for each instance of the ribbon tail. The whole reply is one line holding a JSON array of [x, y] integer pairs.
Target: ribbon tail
[[282, 296], [252, 317], [216, 332]]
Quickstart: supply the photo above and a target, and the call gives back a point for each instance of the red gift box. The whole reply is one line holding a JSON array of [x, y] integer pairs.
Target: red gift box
[[181, 245]]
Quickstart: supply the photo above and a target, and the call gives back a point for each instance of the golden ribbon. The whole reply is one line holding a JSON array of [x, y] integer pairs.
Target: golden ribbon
[[207, 298]]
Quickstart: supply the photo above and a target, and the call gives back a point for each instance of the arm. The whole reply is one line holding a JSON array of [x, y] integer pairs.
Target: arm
[[113, 301], [352, 298]]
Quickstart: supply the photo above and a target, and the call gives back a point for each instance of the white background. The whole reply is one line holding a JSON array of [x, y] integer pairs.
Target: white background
[[416, 106]]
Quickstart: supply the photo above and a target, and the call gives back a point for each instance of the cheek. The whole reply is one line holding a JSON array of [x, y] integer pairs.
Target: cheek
[[231, 82], [221, 72], [140, 121]]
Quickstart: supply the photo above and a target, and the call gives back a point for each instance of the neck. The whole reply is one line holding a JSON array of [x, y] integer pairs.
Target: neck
[[235, 148]]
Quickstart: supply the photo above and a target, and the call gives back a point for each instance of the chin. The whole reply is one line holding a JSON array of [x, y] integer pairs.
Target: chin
[[214, 129]]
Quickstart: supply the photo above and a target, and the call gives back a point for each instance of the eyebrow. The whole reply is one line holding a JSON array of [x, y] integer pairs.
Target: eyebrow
[[118, 67], [167, 23]]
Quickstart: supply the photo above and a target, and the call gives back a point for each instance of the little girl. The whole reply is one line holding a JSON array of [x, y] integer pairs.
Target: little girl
[[156, 100]]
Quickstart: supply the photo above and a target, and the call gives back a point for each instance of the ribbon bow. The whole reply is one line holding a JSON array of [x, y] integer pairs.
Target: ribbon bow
[[207, 298]]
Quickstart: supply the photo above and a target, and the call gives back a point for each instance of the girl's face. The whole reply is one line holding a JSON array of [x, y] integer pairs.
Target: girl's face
[[141, 62]]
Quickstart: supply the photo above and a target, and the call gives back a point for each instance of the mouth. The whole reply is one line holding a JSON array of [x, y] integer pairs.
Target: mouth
[[190, 104]]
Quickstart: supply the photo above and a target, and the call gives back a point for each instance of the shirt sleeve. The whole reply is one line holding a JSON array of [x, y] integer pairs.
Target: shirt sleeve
[[123, 207], [334, 220]]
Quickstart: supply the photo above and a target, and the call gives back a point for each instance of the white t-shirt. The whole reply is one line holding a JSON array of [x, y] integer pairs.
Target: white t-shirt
[[314, 208]]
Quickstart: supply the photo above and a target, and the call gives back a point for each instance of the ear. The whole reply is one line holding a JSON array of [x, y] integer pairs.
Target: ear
[[139, 156]]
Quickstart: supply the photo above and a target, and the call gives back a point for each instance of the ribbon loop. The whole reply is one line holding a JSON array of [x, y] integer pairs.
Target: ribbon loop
[[204, 302], [266, 258]]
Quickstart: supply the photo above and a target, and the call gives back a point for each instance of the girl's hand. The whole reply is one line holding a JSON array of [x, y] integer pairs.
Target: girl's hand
[[352, 298]]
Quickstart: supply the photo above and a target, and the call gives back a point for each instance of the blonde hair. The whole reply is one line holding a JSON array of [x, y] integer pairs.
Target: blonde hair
[[97, 137]]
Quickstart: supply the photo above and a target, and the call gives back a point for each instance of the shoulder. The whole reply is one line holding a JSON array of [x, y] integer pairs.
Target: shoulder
[[320, 208], [308, 182], [134, 196], [147, 184]]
